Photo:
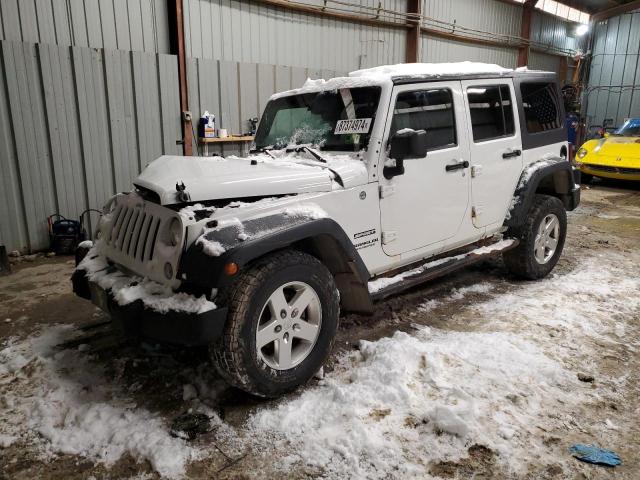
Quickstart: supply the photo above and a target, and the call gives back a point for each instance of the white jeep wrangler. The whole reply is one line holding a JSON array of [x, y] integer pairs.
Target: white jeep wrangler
[[357, 188]]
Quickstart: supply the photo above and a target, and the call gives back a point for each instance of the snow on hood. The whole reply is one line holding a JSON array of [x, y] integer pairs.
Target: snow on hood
[[211, 178]]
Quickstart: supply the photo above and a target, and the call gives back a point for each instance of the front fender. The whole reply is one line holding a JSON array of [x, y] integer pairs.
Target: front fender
[[246, 241], [551, 176]]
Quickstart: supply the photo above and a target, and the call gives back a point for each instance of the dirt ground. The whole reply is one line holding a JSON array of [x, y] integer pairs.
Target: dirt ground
[[607, 224]]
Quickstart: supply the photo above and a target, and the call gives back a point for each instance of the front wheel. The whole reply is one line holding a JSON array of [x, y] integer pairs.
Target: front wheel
[[541, 239], [283, 317]]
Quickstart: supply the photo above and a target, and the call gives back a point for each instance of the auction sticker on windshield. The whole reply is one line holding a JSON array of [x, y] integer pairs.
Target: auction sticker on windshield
[[355, 125]]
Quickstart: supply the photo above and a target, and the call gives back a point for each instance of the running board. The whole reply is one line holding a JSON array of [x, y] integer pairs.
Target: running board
[[384, 287]]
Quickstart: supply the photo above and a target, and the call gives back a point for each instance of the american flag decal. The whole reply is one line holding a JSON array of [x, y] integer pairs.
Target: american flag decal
[[543, 102]]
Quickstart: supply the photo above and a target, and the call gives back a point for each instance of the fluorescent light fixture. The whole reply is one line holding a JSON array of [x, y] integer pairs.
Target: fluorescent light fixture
[[582, 29]]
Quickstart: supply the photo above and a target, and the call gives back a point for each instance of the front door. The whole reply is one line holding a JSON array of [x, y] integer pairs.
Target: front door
[[496, 151], [427, 203]]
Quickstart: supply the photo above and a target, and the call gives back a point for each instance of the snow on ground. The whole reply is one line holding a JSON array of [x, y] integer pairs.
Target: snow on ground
[[406, 400], [589, 302], [61, 402], [388, 410], [401, 402]]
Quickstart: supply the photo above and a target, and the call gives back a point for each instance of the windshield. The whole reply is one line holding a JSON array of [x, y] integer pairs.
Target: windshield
[[631, 128], [330, 120]]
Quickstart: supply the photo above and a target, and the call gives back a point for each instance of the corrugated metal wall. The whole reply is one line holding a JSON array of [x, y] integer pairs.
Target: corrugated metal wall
[[249, 32], [553, 31], [487, 15], [238, 91], [436, 49], [544, 61], [77, 125], [140, 25], [613, 90]]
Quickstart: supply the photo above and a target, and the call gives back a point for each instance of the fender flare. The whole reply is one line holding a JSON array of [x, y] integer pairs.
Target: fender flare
[[204, 270], [552, 175]]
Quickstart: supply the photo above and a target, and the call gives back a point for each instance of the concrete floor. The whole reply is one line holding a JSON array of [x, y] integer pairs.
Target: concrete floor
[[607, 225]]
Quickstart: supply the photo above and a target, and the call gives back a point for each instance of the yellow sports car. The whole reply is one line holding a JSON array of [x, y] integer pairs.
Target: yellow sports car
[[617, 155]]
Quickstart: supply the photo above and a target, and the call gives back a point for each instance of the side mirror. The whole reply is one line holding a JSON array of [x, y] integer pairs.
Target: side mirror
[[606, 135], [405, 144]]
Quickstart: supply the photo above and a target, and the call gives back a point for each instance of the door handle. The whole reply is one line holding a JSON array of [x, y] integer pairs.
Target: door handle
[[511, 153], [457, 166]]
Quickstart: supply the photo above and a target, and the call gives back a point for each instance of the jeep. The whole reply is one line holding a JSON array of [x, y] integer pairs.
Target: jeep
[[356, 189]]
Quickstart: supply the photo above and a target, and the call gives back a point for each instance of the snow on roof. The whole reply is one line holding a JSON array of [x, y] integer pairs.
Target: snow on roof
[[385, 73], [430, 69]]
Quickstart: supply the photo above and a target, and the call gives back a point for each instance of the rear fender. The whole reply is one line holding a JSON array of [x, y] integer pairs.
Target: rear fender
[[550, 176]]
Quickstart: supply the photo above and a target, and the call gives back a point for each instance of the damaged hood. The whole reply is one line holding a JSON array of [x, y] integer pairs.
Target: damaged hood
[[213, 178]]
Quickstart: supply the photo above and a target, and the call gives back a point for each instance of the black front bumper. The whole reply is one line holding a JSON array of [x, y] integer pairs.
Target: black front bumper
[[173, 327]]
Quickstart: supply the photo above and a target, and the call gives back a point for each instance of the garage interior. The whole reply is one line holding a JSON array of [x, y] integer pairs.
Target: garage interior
[[92, 91]]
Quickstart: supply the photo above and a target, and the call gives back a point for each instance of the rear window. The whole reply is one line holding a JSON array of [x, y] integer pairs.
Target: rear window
[[540, 106], [491, 112]]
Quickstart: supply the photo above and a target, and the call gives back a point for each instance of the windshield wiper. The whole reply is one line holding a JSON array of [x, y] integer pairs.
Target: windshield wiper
[[266, 150], [310, 150]]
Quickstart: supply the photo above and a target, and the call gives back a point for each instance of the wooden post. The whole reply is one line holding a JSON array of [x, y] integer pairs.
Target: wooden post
[[525, 32], [187, 136], [413, 32], [563, 69]]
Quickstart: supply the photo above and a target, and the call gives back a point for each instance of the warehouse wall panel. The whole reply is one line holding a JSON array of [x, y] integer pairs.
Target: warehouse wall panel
[[77, 125], [251, 32], [140, 25], [435, 49], [28, 115], [63, 128], [544, 61], [169, 104], [614, 74], [13, 228], [93, 118], [554, 32], [486, 15]]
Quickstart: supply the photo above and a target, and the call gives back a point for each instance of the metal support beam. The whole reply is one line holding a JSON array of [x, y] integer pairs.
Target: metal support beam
[[525, 32], [413, 32], [612, 12], [178, 27]]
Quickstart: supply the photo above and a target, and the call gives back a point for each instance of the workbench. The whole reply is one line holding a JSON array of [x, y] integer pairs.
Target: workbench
[[243, 140]]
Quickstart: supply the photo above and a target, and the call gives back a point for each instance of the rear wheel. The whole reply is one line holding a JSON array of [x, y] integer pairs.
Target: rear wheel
[[283, 316], [541, 238]]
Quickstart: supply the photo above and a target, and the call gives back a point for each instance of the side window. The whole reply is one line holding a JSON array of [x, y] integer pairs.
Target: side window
[[540, 106], [429, 110], [491, 112]]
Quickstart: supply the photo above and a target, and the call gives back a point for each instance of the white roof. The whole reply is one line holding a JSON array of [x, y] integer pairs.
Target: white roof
[[431, 69]]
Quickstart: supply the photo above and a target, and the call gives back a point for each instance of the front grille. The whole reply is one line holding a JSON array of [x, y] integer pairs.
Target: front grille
[[606, 168], [134, 232]]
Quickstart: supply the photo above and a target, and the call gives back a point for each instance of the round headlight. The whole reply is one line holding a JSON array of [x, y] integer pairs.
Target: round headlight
[[175, 232], [581, 153]]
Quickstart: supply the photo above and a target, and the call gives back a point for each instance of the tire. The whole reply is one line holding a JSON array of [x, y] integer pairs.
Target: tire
[[524, 261], [254, 302], [585, 178]]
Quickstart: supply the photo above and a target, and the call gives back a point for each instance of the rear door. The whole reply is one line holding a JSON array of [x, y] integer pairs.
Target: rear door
[[496, 148], [427, 203]]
